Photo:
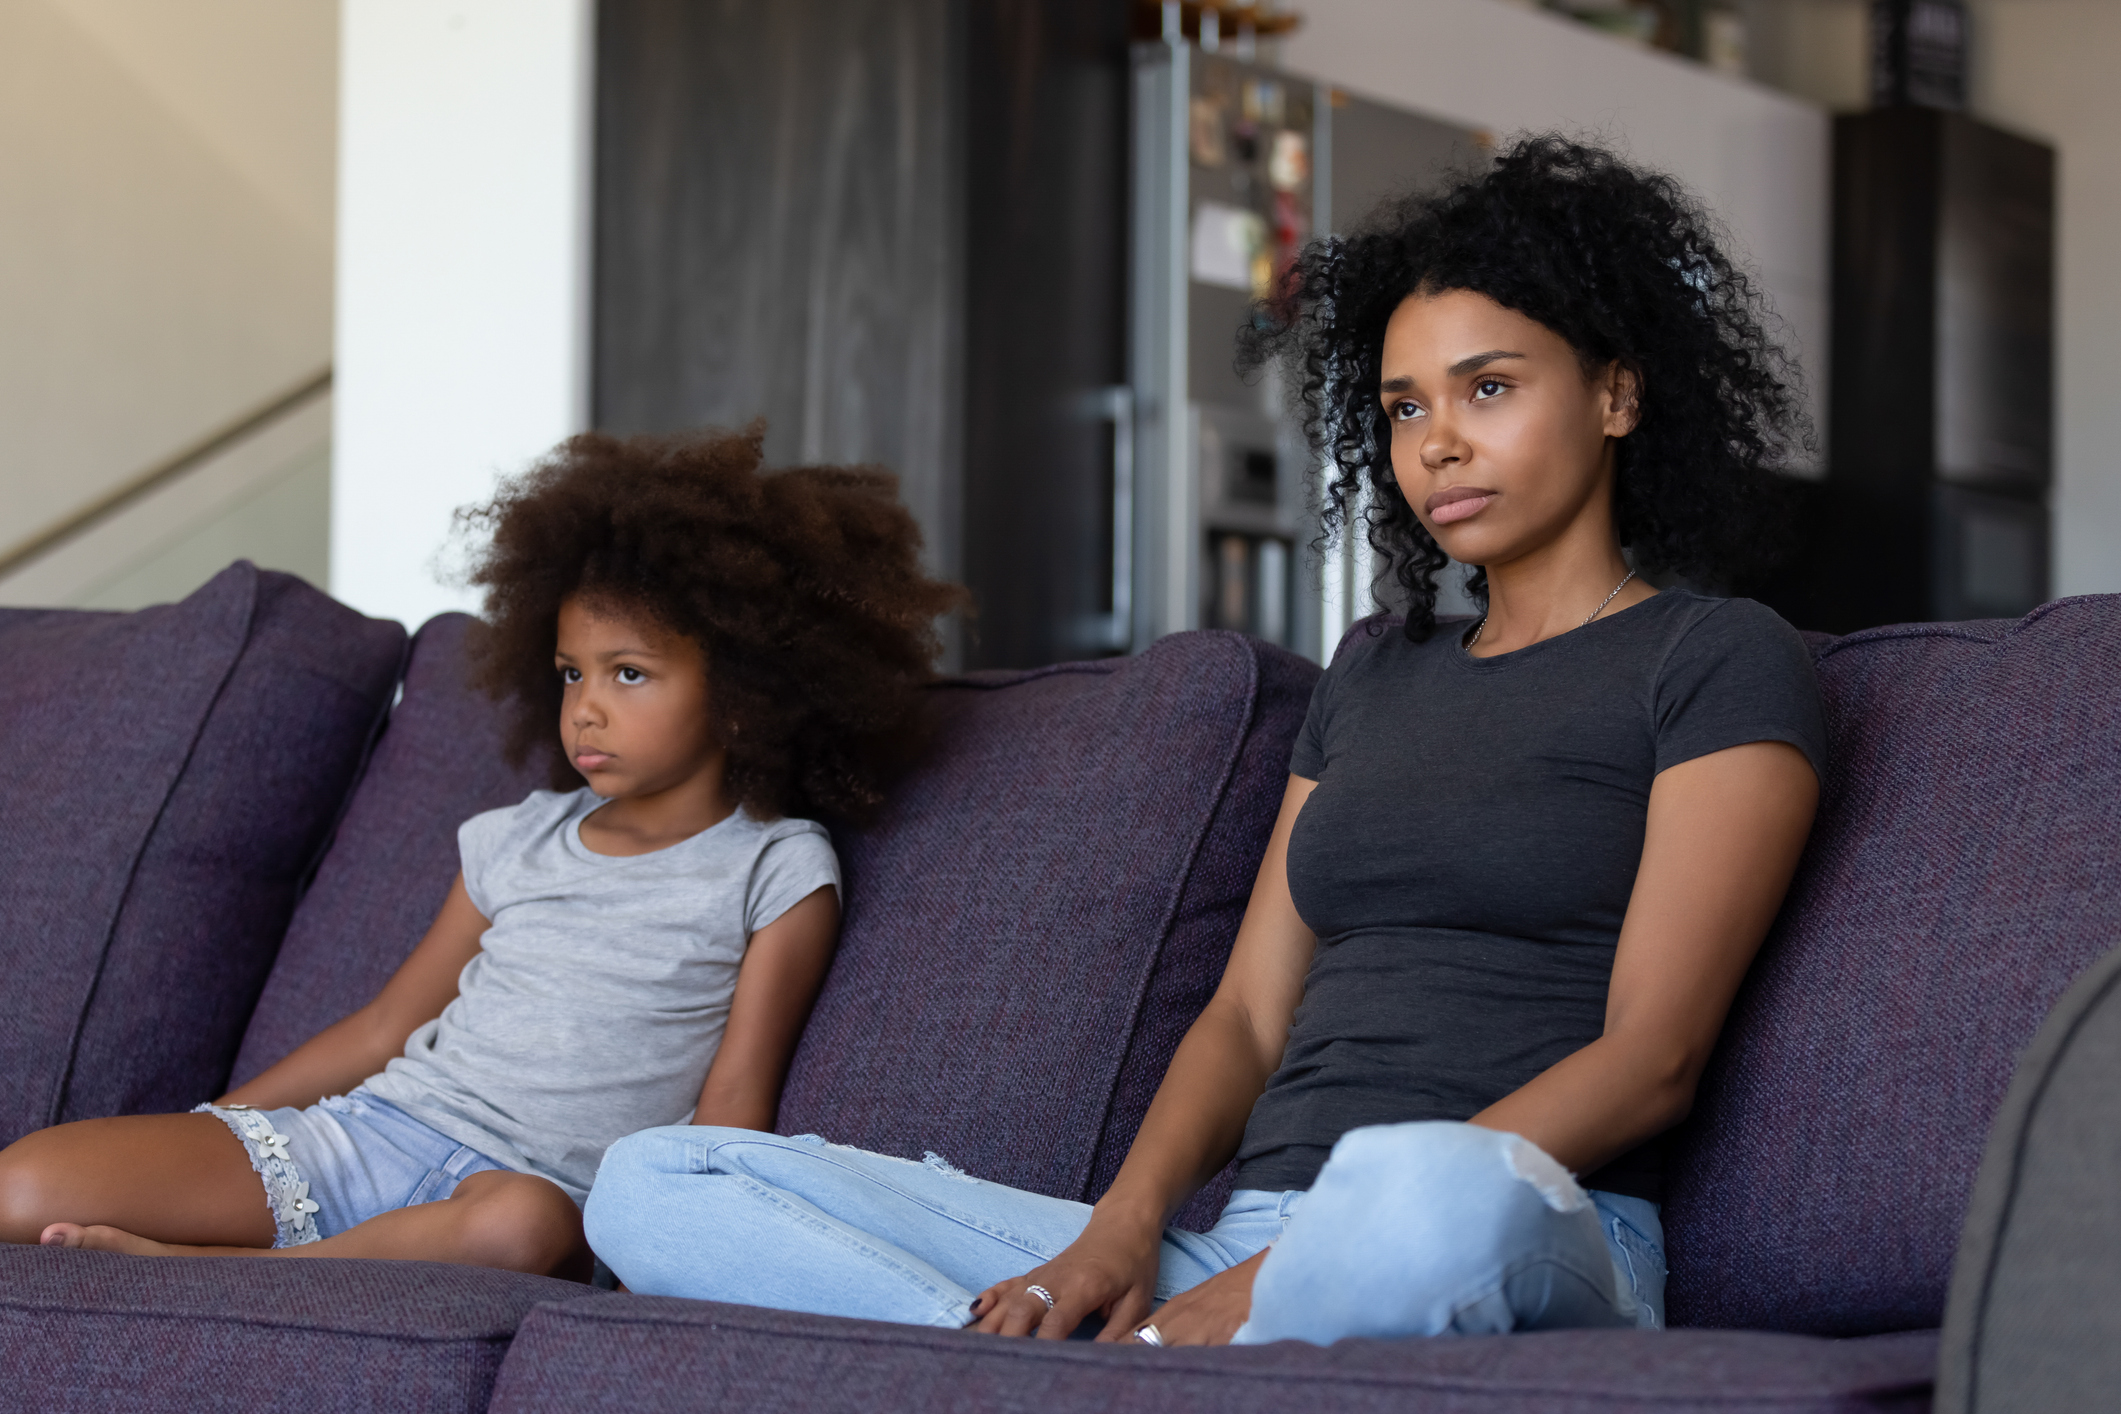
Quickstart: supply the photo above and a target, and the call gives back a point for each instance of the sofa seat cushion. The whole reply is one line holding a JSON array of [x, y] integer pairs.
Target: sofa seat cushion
[[1044, 908], [653, 1354], [95, 1331], [437, 764], [1966, 865], [170, 777]]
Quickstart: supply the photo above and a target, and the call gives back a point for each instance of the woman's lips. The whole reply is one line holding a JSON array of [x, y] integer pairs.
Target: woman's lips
[[591, 760], [1456, 503]]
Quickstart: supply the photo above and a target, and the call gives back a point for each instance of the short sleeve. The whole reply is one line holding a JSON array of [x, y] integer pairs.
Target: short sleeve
[[790, 868], [488, 842], [478, 840], [1307, 758], [1739, 675]]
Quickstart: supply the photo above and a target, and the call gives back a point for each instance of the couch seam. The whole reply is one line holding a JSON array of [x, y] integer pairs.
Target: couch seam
[[1897, 633], [260, 1322], [965, 682], [1169, 920], [64, 1091], [376, 728], [1194, 1370]]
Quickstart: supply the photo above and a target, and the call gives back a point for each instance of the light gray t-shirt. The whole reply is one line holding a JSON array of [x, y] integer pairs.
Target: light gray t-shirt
[[598, 995]]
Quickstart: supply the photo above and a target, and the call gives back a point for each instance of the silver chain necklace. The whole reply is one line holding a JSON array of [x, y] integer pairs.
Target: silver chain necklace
[[1593, 614]]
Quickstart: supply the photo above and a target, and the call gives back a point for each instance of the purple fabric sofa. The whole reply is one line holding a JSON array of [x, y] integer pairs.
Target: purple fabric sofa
[[224, 837]]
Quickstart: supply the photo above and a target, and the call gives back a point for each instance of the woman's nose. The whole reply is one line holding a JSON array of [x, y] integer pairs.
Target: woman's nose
[[1442, 446]]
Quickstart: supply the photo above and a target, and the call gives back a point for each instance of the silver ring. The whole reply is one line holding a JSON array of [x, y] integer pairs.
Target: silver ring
[[1042, 1294], [1150, 1335]]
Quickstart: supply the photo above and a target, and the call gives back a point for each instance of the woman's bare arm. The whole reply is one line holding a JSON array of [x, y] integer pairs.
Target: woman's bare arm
[[348, 1051], [784, 967], [1720, 847], [1193, 1125]]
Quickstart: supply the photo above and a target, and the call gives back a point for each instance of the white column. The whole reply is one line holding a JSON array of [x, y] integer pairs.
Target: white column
[[463, 274]]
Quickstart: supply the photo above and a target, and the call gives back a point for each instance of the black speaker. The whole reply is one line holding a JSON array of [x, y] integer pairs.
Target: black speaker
[[1940, 434]]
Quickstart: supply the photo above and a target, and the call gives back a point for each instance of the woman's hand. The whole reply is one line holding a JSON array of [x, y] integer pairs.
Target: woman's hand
[[1193, 1126], [1209, 1314], [1094, 1275]]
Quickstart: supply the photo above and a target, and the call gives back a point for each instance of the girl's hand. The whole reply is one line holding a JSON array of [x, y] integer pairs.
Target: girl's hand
[[1093, 1275], [1209, 1314]]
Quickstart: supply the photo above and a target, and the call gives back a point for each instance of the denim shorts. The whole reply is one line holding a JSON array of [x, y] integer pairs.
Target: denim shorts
[[344, 1160]]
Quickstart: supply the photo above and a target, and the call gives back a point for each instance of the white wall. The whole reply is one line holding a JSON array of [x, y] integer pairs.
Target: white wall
[[1758, 158], [2047, 69], [255, 81], [265, 498], [463, 244], [154, 282]]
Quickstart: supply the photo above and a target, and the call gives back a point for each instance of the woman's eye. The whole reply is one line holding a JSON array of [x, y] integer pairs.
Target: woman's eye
[[1403, 411], [570, 676], [1486, 388], [632, 676]]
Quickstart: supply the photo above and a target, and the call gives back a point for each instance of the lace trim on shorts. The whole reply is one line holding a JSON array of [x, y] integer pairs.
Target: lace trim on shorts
[[286, 1191]]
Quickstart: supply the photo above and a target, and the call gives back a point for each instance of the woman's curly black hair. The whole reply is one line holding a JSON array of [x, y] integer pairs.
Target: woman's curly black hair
[[1625, 267], [803, 588]]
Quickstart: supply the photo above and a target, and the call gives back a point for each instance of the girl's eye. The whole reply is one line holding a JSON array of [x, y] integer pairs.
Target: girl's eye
[[1486, 388], [570, 676], [632, 677], [1403, 411]]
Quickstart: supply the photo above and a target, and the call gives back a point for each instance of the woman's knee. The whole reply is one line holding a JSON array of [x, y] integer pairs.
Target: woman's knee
[[1425, 1228], [1445, 1168], [635, 1166]]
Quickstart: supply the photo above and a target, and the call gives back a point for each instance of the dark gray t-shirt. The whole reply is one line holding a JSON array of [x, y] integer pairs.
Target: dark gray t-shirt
[[1467, 857]]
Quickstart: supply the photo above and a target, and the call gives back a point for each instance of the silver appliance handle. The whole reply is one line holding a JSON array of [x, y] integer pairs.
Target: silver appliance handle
[[1119, 406], [1113, 632]]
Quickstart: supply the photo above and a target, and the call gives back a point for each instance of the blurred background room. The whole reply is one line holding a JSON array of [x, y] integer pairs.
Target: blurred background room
[[291, 280]]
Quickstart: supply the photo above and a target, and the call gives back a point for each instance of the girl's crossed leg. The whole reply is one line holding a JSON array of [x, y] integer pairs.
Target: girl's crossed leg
[[349, 1177]]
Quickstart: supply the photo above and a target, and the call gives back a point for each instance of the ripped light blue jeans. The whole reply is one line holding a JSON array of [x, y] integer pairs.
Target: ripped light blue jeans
[[1411, 1229]]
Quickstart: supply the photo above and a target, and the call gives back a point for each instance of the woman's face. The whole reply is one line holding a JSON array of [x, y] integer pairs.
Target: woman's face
[[1499, 442]]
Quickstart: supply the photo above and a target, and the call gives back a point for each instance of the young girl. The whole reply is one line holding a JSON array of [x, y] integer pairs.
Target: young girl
[[1520, 868], [723, 653]]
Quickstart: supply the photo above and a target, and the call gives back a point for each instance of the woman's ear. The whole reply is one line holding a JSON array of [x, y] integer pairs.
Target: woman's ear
[[1623, 398]]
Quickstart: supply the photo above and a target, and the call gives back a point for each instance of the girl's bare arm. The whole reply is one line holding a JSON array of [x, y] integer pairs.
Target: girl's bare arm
[[348, 1051], [784, 967]]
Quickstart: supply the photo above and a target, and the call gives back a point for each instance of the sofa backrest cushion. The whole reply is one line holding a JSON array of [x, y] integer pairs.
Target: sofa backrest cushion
[[170, 776], [1966, 865], [1045, 906], [437, 764]]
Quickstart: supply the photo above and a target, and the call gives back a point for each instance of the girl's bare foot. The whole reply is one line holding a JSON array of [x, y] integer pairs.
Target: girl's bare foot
[[97, 1238]]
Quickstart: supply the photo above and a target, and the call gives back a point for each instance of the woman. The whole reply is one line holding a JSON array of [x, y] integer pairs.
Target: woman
[[1520, 868]]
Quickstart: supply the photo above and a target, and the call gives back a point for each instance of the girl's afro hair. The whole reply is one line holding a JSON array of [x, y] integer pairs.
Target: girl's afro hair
[[803, 588], [1624, 266]]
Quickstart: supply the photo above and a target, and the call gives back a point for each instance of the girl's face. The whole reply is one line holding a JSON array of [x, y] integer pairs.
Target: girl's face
[[633, 706], [1499, 442]]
